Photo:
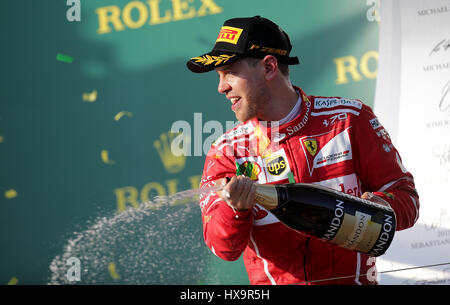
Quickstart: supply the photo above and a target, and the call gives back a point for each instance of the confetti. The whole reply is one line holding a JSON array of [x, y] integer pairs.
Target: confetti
[[2, 139], [121, 114], [64, 58], [112, 271], [90, 97], [13, 281], [10, 194], [105, 157]]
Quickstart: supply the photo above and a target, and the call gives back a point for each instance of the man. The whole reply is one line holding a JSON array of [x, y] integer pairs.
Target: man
[[287, 136]]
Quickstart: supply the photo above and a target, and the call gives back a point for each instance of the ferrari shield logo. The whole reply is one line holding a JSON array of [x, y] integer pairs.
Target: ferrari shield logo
[[311, 146]]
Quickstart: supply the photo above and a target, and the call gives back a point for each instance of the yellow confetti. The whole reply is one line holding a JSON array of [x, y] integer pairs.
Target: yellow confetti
[[90, 97], [105, 157], [13, 281], [121, 114], [2, 139], [112, 271], [10, 194]]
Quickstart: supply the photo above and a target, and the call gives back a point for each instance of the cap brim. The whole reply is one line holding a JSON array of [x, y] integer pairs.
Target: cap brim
[[210, 61]]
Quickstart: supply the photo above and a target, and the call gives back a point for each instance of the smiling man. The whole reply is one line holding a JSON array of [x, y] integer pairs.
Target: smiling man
[[287, 136]]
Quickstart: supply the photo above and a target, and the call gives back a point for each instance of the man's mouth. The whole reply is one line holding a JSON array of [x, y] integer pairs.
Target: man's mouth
[[235, 102]]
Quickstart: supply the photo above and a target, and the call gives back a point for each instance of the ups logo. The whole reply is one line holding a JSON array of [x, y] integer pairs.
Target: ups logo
[[276, 166]]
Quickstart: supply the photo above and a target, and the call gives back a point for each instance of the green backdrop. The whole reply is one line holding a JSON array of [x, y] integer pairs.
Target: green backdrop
[[88, 138]]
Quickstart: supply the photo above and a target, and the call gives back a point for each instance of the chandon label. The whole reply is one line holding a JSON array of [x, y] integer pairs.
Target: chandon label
[[337, 220], [386, 232], [359, 229]]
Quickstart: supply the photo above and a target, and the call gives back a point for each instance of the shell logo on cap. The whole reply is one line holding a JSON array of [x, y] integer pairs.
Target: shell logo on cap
[[229, 34]]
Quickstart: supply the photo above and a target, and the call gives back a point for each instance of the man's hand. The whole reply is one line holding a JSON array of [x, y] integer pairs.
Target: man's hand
[[374, 198], [239, 192]]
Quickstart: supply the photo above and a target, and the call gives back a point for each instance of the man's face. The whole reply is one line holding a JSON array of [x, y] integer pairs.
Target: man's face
[[244, 86]]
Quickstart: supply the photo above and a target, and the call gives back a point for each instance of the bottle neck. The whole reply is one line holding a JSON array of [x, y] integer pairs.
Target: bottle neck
[[282, 191], [267, 196]]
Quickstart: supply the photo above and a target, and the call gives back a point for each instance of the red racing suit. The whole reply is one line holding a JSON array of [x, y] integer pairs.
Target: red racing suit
[[334, 142]]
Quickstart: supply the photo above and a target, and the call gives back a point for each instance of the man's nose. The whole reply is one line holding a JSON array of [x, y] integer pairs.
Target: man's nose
[[223, 87]]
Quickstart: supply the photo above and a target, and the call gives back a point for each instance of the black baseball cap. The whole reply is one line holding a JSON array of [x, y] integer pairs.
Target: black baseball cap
[[245, 37]]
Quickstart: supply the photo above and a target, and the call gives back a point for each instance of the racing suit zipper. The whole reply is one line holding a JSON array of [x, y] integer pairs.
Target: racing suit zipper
[[304, 259], [293, 169]]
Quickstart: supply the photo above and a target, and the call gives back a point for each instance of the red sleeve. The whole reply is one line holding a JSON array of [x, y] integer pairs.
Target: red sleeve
[[381, 170], [226, 231]]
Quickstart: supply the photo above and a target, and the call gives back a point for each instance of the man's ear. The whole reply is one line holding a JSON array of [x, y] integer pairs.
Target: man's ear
[[270, 63]]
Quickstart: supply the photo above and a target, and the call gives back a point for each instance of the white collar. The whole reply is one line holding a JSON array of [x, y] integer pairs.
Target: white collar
[[294, 112]]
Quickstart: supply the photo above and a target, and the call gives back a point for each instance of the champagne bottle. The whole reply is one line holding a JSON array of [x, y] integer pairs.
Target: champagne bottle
[[347, 221]]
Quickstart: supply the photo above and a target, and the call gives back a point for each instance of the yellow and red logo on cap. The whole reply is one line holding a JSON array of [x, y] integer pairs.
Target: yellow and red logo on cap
[[229, 34]]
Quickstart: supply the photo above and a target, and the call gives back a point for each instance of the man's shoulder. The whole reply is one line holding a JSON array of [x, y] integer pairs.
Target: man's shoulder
[[332, 109]]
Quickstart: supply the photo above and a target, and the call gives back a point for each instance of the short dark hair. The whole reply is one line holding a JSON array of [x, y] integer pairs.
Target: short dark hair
[[284, 68]]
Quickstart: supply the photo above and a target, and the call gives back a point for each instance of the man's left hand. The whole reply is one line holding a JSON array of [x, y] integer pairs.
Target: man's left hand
[[374, 198]]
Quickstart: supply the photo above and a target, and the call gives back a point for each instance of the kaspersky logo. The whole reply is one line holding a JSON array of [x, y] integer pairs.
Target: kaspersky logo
[[229, 34], [249, 169]]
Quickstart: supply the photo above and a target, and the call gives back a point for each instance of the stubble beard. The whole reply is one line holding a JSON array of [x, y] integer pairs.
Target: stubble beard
[[255, 101]]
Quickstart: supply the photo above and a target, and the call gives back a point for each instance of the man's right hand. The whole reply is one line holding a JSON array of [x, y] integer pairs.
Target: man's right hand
[[239, 192]]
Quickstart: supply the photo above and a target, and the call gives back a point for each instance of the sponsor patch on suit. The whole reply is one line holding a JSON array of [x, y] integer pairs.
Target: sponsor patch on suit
[[325, 149]]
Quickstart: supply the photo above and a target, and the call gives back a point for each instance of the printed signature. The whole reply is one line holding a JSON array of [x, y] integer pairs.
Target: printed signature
[[442, 154], [439, 221], [444, 104], [444, 45]]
